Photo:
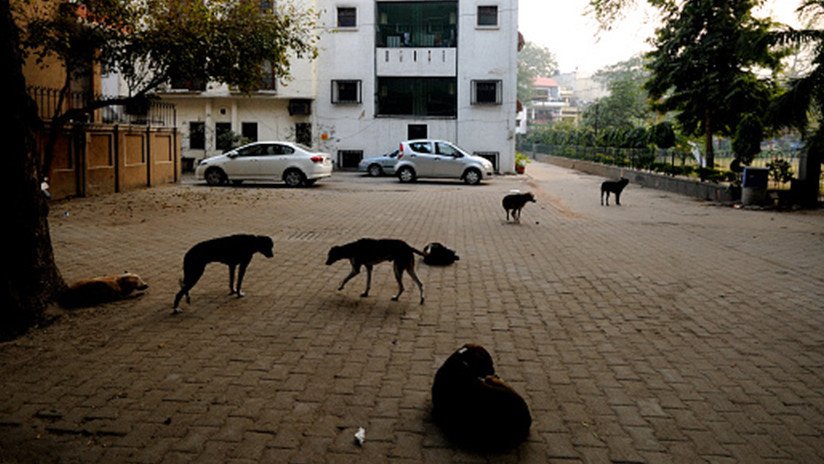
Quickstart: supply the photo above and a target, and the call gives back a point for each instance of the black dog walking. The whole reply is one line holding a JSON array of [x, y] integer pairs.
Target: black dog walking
[[234, 251], [368, 252]]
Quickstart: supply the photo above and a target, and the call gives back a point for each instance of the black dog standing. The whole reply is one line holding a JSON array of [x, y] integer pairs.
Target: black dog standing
[[614, 186], [515, 202], [234, 251], [474, 406]]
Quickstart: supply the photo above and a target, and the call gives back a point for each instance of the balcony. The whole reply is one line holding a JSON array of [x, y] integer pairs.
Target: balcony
[[413, 61]]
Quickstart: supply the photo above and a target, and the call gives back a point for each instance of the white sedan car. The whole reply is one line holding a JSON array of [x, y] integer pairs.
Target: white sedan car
[[293, 163]]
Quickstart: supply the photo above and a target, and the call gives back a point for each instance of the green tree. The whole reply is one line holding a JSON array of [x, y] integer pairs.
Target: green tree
[[625, 107], [801, 101], [533, 61], [148, 43], [703, 66]]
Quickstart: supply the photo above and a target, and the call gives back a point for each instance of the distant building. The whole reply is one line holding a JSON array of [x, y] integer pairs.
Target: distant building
[[561, 97], [386, 71]]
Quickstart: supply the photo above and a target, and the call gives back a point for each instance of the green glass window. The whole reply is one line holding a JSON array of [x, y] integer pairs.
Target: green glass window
[[417, 24], [417, 96]]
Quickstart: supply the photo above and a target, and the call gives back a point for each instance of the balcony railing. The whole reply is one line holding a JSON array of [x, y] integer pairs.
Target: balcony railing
[[156, 113]]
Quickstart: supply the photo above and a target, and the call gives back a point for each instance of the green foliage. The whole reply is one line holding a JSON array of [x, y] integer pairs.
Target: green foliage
[[747, 141], [780, 170], [521, 159], [533, 61], [662, 135], [702, 65], [150, 42]]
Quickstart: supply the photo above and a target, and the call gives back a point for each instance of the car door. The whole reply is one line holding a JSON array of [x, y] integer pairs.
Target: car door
[[451, 161], [388, 162], [422, 157], [244, 164], [274, 160]]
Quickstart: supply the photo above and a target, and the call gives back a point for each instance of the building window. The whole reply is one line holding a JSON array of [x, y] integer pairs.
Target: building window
[[197, 135], [349, 159], [416, 131], [346, 91], [486, 92], [268, 78], [488, 16], [347, 16], [417, 96], [428, 24], [223, 135], [249, 131], [303, 133], [192, 85]]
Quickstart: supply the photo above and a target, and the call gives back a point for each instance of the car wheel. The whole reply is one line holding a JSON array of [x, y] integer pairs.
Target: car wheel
[[215, 176], [375, 170], [294, 178], [472, 176], [237, 182], [406, 174]]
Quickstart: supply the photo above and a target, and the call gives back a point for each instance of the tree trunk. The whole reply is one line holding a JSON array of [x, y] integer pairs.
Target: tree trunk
[[810, 186], [30, 278]]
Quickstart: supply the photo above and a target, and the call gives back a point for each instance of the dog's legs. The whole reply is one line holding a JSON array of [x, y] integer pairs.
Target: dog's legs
[[190, 277], [368, 281], [355, 271], [507, 215], [232, 279], [602, 197], [411, 271], [398, 268], [518, 211], [240, 273], [618, 198]]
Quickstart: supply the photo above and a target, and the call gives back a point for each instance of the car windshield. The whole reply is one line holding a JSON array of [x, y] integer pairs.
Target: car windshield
[[304, 147]]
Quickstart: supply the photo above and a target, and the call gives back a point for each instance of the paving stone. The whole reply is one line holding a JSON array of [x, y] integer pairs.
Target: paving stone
[[665, 330]]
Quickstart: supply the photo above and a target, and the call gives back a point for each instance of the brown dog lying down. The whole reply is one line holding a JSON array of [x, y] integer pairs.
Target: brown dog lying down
[[475, 407], [92, 292], [368, 252], [234, 251]]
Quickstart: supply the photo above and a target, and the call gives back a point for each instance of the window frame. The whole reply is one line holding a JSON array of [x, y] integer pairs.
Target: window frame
[[479, 16], [335, 95], [338, 24], [498, 100]]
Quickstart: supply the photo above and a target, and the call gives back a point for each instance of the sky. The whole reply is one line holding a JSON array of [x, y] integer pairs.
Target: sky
[[572, 36]]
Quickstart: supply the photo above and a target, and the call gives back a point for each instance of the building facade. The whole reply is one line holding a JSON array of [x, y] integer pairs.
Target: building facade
[[387, 71]]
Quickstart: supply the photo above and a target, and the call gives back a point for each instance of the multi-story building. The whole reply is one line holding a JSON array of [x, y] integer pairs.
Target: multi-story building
[[386, 71]]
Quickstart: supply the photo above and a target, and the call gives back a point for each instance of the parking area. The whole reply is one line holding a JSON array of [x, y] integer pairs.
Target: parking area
[[663, 330]]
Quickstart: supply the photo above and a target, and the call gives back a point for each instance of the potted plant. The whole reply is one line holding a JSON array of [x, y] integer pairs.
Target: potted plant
[[520, 162]]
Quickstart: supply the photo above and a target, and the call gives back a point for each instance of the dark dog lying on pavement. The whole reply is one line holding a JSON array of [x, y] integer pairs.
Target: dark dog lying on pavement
[[514, 202], [435, 254], [614, 186], [92, 292], [475, 407], [368, 252], [234, 251]]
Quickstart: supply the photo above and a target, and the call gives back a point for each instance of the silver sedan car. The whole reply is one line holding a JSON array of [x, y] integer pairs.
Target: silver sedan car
[[379, 165]]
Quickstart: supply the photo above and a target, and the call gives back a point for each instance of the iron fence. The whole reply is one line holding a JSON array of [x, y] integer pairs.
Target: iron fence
[[151, 113]]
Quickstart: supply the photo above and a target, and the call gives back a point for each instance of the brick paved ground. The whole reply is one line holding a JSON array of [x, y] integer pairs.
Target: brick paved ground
[[664, 330]]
